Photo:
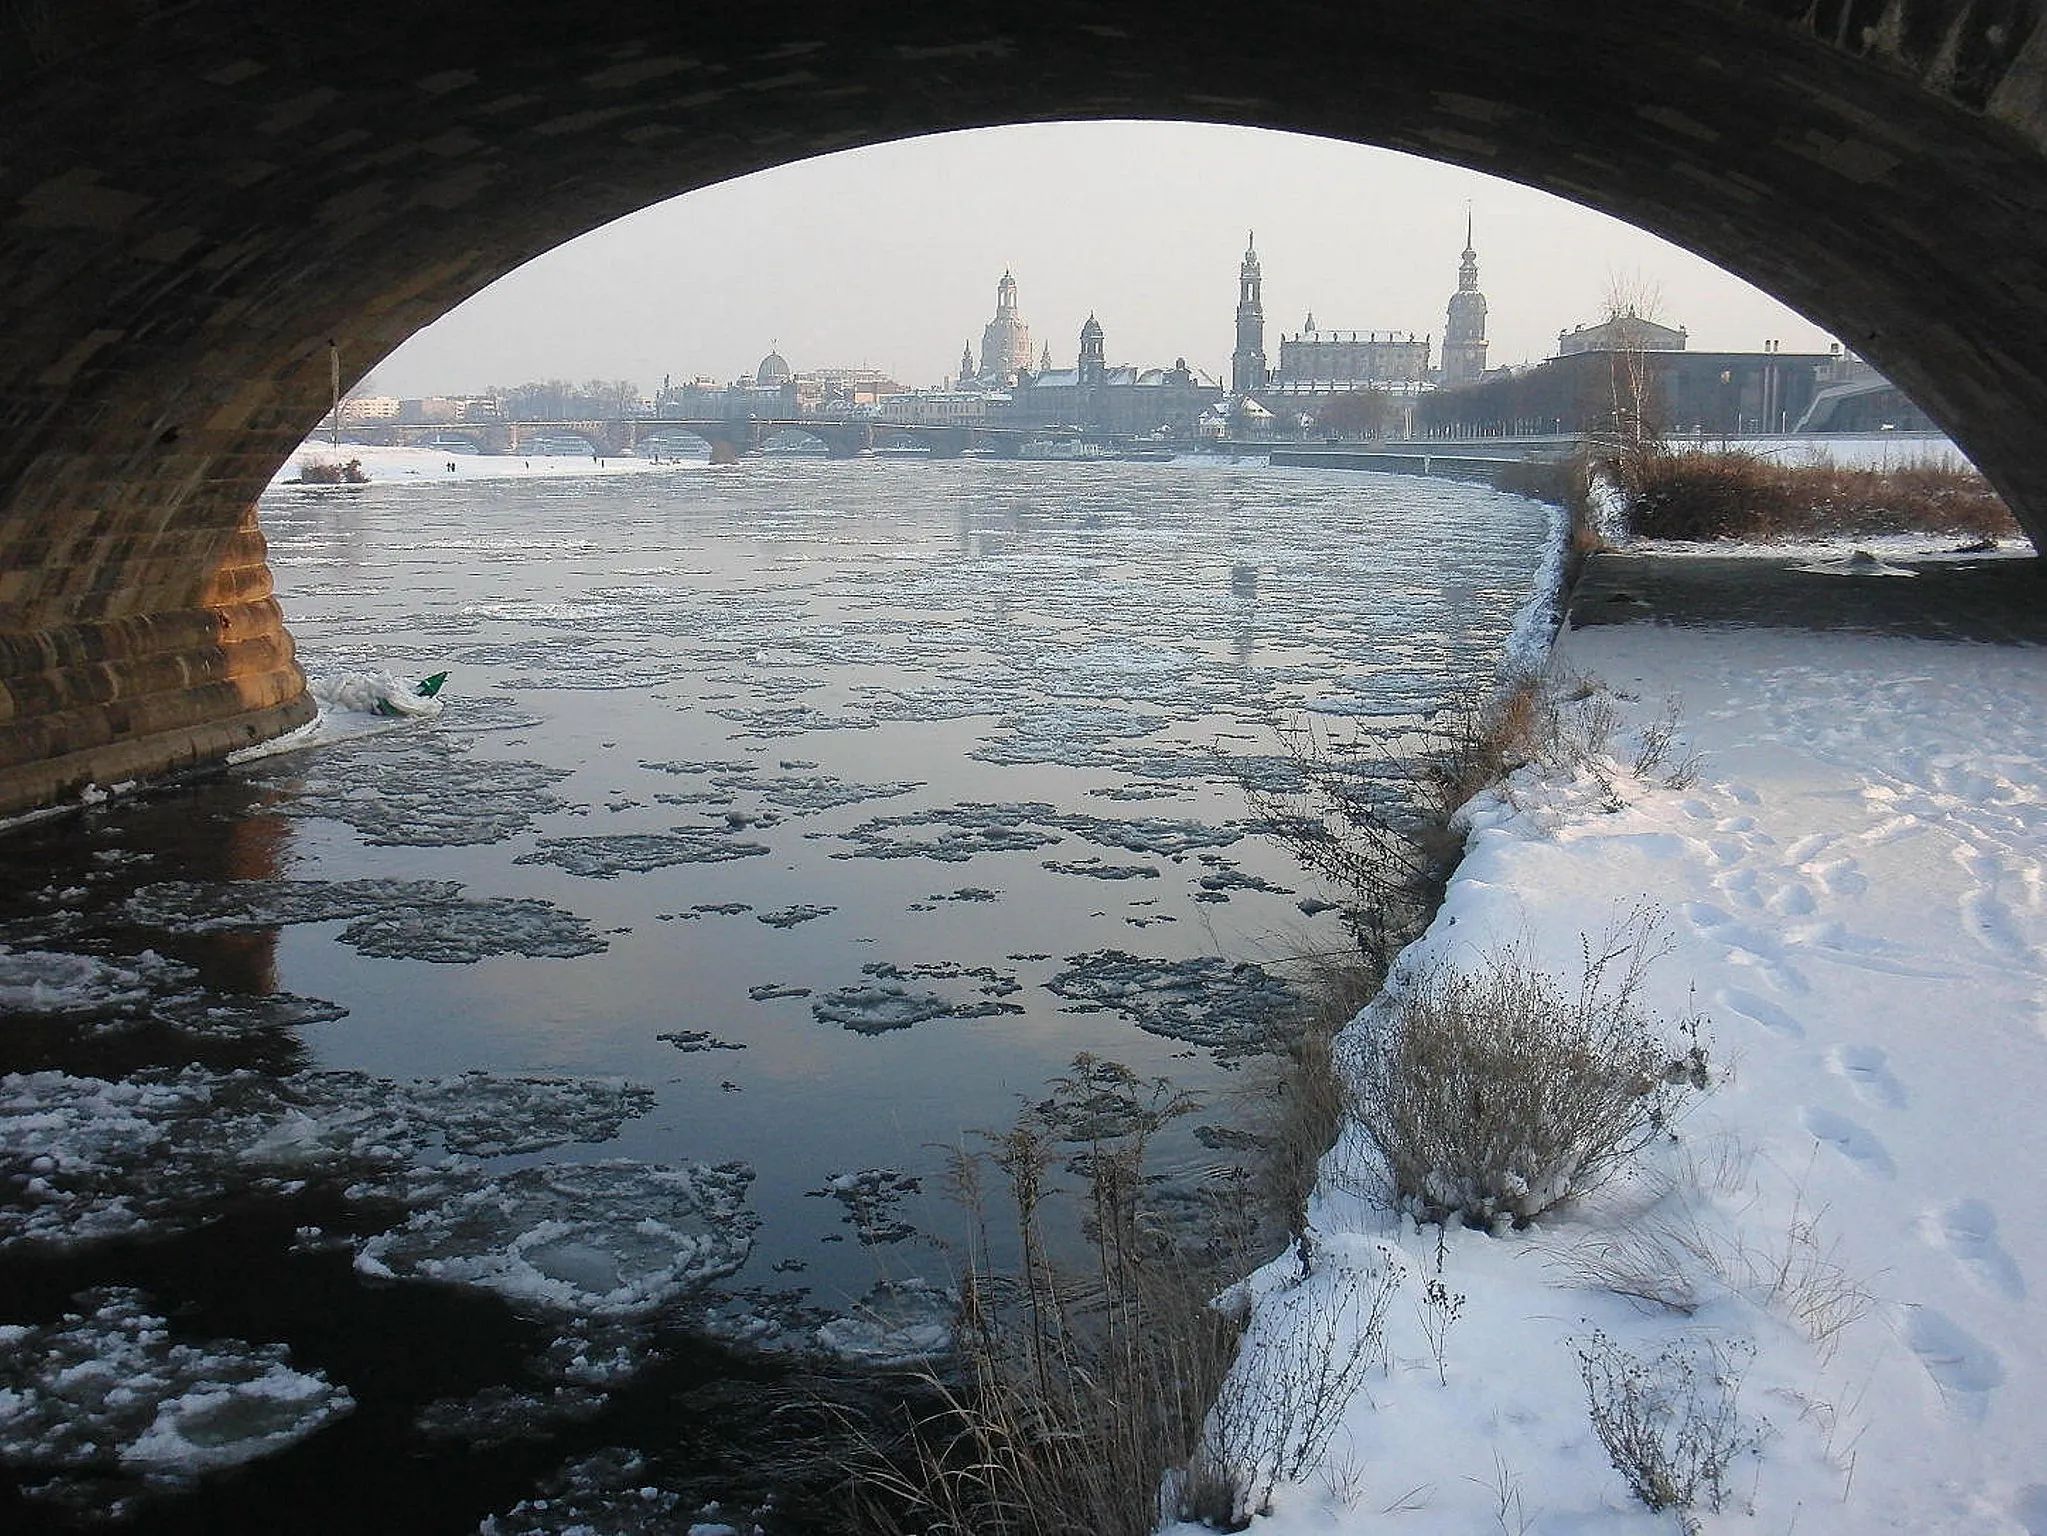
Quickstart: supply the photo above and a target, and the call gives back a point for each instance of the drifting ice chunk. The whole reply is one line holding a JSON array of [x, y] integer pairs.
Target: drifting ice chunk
[[611, 1239], [107, 1389]]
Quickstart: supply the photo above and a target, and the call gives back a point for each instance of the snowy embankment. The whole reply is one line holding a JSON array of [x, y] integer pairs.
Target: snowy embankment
[[1841, 1240], [391, 466]]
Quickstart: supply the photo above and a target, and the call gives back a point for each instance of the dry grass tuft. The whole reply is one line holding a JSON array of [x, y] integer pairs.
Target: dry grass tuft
[[1075, 1387]]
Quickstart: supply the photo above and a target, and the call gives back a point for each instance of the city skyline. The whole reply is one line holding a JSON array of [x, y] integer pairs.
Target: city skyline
[[889, 258]]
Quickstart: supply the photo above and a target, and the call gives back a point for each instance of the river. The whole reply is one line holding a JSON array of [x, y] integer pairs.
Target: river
[[472, 1118]]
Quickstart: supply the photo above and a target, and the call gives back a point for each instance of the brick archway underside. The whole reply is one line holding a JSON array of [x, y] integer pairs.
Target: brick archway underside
[[195, 195]]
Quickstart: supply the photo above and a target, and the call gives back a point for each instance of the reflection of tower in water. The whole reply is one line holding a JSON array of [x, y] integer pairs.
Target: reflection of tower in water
[[1244, 587]]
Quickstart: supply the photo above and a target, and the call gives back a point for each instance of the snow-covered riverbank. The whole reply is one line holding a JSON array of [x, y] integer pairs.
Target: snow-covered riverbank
[[1848, 1222]]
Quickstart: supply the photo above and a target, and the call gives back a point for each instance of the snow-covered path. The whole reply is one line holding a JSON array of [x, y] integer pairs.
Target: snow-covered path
[[1852, 896]]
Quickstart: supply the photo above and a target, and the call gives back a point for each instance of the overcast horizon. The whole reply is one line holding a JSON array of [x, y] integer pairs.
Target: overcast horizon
[[888, 258]]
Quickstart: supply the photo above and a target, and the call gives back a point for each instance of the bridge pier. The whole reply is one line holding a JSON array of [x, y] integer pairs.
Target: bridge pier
[[131, 675]]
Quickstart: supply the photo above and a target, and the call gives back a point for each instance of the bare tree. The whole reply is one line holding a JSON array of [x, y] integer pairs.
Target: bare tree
[[1632, 305]]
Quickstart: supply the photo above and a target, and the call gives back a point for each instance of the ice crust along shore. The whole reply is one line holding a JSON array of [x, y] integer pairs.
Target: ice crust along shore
[[1852, 894]]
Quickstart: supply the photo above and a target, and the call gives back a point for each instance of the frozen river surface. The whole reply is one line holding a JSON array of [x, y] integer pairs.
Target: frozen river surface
[[457, 1124]]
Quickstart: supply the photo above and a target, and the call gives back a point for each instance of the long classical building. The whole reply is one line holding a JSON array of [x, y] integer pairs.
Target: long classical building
[[1098, 399], [1595, 383]]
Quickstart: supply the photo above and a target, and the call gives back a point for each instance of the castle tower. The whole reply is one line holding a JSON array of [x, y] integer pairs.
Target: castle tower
[[1091, 373], [1464, 330], [966, 362], [1005, 340], [1247, 363]]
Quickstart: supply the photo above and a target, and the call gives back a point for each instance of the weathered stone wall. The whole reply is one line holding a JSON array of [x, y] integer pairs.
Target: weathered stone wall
[[196, 197]]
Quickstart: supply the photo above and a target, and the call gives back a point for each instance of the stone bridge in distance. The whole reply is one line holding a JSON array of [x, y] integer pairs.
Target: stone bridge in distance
[[198, 198], [729, 438]]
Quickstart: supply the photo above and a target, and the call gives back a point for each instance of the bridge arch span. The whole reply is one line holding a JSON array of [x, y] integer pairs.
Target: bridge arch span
[[196, 200]]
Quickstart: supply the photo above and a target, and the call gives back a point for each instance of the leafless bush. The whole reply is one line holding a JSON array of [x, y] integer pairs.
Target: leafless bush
[[1737, 494], [1495, 1093], [1671, 1425], [1275, 1414], [327, 472]]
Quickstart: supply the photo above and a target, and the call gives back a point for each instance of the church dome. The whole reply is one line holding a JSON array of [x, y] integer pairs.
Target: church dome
[[774, 369]]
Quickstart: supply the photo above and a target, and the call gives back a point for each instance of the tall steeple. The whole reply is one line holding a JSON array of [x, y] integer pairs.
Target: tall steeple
[[1464, 343], [1247, 363], [966, 362]]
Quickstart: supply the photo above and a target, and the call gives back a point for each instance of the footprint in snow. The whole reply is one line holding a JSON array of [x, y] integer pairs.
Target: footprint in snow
[[1792, 901], [1968, 1231], [1851, 1141], [1865, 1068], [2030, 1509], [1962, 1366], [1762, 1011], [1991, 922]]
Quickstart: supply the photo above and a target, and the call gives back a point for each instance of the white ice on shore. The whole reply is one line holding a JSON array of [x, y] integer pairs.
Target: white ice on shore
[[1853, 895]]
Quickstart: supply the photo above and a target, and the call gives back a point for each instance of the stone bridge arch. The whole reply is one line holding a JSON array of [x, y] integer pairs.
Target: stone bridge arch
[[203, 204]]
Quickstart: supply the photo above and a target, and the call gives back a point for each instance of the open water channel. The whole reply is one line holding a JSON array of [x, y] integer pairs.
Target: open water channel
[[472, 1123]]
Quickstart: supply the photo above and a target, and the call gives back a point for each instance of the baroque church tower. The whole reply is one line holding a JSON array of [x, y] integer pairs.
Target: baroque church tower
[[1091, 374], [1464, 329], [1247, 363], [1005, 340]]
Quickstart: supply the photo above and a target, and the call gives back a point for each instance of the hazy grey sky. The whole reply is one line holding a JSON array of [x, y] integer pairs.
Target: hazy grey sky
[[888, 258]]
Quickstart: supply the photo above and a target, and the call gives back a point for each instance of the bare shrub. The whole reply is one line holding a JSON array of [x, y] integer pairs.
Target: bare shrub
[[327, 472], [1495, 1093], [1671, 1425], [1275, 1414], [1739, 494]]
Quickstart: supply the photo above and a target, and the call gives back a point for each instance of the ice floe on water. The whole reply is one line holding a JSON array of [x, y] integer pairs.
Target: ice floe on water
[[965, 830], [54, 983], [85, 1160], [109, 1389], [607, 1239], [95, 997], [872, 1198], [1226, 1005], [416, 789], [896, 1324], [392, 919], [609, 1492], [790, 917], [608, 857], [884, 1003], [351, 704]]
